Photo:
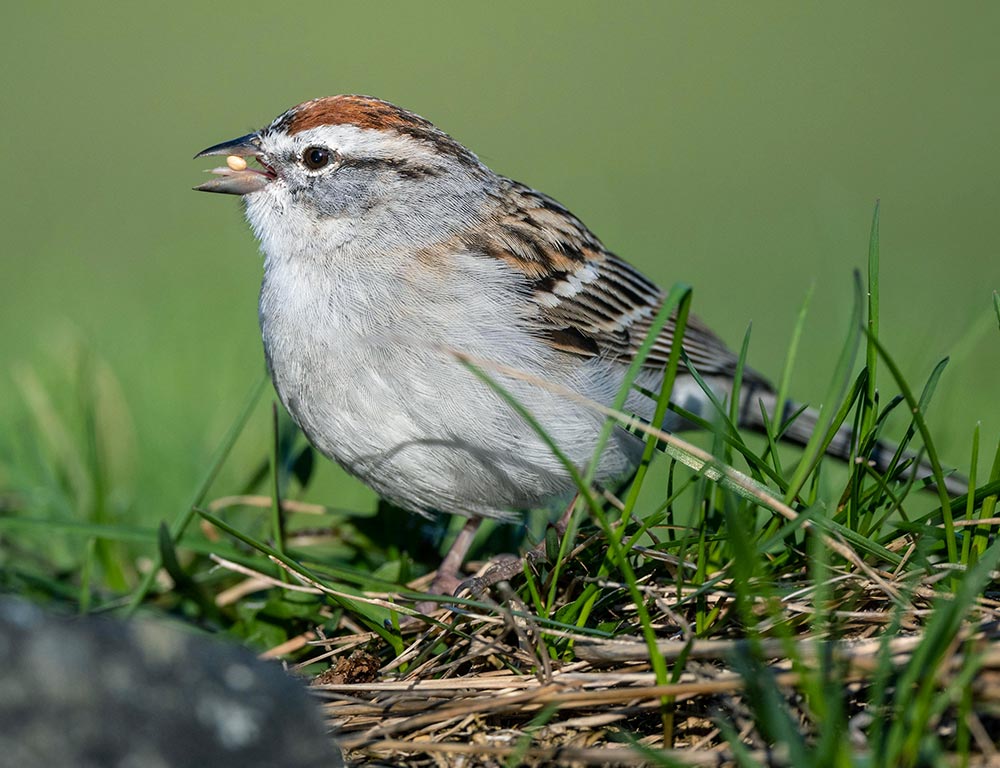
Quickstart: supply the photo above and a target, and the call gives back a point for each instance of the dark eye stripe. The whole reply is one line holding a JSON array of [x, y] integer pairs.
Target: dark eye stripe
[[404, 168]]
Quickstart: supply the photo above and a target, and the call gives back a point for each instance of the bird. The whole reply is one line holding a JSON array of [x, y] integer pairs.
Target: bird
[[391, 252]]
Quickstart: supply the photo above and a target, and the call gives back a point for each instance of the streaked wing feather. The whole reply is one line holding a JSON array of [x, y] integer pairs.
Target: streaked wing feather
[[590, 301]]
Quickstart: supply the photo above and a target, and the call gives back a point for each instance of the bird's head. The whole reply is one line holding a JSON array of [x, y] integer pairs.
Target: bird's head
[[347, 164]]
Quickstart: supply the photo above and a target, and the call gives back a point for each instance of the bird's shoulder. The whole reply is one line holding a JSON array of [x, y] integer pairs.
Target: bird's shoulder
[[589, 301]]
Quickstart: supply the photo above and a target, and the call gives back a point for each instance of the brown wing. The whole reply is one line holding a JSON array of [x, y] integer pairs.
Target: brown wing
[[590, 301]]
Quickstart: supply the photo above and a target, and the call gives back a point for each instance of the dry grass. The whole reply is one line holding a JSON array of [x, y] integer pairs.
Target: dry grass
[[487, 687]]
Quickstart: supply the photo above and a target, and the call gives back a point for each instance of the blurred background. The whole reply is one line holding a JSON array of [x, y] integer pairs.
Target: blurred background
[[738, 147]]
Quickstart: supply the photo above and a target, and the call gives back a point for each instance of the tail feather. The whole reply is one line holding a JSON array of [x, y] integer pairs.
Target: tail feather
[[800, 430]]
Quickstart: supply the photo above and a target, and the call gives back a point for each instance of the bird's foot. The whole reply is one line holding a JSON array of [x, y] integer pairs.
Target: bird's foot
[[500, 568]]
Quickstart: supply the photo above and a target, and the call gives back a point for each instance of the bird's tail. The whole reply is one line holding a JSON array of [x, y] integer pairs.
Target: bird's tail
[[798, 430]]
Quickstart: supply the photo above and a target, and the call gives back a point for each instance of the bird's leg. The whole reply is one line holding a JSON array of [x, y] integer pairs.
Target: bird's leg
[[446, 580], [503, 567], [563, 522]]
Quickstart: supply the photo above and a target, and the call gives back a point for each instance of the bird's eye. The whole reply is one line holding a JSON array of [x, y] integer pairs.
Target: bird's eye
[[315, 158]]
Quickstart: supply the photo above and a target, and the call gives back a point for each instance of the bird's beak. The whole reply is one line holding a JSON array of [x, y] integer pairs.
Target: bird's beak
[[235, 180]]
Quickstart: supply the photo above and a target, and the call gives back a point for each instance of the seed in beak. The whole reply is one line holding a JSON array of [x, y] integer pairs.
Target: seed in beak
[[236, 163]]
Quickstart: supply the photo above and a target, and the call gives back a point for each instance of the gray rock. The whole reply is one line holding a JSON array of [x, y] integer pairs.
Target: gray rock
[[100, 693]]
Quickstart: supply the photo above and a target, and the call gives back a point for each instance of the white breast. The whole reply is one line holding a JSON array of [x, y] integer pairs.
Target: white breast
[[359, 352]]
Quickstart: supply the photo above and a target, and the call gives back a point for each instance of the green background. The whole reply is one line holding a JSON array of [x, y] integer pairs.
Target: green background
[[739, 147]]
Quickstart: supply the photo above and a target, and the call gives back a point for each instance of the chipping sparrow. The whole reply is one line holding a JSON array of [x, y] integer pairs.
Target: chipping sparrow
[[387, 244]]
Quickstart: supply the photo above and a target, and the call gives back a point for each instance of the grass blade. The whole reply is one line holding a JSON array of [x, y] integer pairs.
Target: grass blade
[[184, 518], [838, 385]]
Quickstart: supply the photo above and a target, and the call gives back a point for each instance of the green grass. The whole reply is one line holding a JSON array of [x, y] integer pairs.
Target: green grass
[[705, 544]]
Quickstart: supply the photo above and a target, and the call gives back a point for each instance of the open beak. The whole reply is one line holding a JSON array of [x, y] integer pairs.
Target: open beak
[[229, 180]]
